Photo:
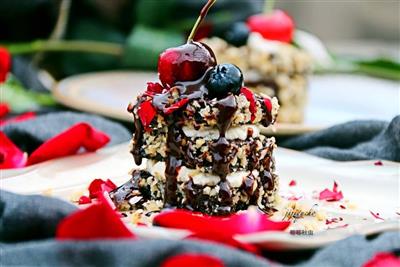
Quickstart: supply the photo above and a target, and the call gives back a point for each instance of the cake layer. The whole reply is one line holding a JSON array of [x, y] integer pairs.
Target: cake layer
[[199, 193], [247, 150], [291, 92], [203, 113], [269, 58]]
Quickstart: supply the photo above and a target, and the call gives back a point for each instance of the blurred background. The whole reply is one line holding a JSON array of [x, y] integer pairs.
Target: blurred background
[[366, 28], [50, 40]]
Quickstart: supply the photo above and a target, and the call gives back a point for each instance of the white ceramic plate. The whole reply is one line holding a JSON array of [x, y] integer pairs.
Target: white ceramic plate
[[366, 187], [332, 98]]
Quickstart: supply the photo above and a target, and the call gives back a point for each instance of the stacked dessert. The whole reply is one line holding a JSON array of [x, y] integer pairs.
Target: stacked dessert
[[270, 63], [199, 132]]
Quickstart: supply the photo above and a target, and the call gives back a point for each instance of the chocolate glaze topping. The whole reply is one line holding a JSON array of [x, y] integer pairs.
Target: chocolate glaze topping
[[178, 152]]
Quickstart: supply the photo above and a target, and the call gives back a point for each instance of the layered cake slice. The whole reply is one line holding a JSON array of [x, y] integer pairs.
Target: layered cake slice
[[263, 49], [198, 130]]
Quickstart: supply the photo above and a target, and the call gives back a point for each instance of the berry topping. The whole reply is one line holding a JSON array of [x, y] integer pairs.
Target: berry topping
[[175, 106], [154, 88], [224, 79], [277, 26], [146, 113], [187, 62], [250, 97], [237, 34], [268, 104]]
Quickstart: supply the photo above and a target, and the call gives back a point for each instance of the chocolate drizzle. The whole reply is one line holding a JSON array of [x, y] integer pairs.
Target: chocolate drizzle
[[173, 162], [138, 137], [178, 152]]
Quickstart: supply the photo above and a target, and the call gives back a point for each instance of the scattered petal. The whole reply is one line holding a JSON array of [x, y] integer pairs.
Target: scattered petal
[[383, 259], [4, 109], [175, 106], [192, 260], [250, 97], [376, 216], [146, 113], [249, 221], [84, 200], [330, 221], [5, 63], [329, 195], [69, 142], [154, 88], [342, 207], [378, 163], [98, 186], [294, 198], [292, 183], [23, 117], [10, 155], [339, 226], [268, 104], [98, 221]]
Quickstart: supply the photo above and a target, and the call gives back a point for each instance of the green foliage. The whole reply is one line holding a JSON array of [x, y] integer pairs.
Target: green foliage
[[73, 63], [20, 99], [145, 44]]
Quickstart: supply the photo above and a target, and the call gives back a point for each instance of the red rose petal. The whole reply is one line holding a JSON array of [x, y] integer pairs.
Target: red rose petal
[[192, 260], [10, 155], [342, 207], [154, 88], [250, 97], [84, 200], [294, 198], [98, 221], [292, 183], [378, 163], [333, 195], [99, 186], [69, 142], [175, 106], [4, 110], [104, 197], [23, 117], [146, 113], [383, 259], [5, 63], [268, 104], [376, 215], [249, 221]]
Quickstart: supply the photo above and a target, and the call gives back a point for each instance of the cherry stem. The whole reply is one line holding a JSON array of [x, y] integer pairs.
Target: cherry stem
[[269, 6], [203, 14]]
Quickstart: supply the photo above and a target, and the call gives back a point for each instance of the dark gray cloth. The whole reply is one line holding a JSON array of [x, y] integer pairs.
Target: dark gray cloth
[[30, 217], [30, 134], [356, 140], [35, 218]]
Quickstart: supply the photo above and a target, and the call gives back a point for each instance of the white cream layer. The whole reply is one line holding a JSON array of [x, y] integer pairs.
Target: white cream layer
[[235, 179], [238, 132]]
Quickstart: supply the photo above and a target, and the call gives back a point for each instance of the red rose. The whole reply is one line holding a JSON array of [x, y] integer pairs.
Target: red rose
[[5, 63]]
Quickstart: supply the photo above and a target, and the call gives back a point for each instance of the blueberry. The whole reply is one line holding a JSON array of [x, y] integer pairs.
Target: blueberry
[[237, 34], [224, 78]]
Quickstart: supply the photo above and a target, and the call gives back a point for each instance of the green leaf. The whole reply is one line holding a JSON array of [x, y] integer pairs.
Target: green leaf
[[145, 44], [380, 67], [22, 100]]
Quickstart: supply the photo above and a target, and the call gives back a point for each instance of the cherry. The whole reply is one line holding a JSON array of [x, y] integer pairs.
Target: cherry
[[277, 26], [187, 62]]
